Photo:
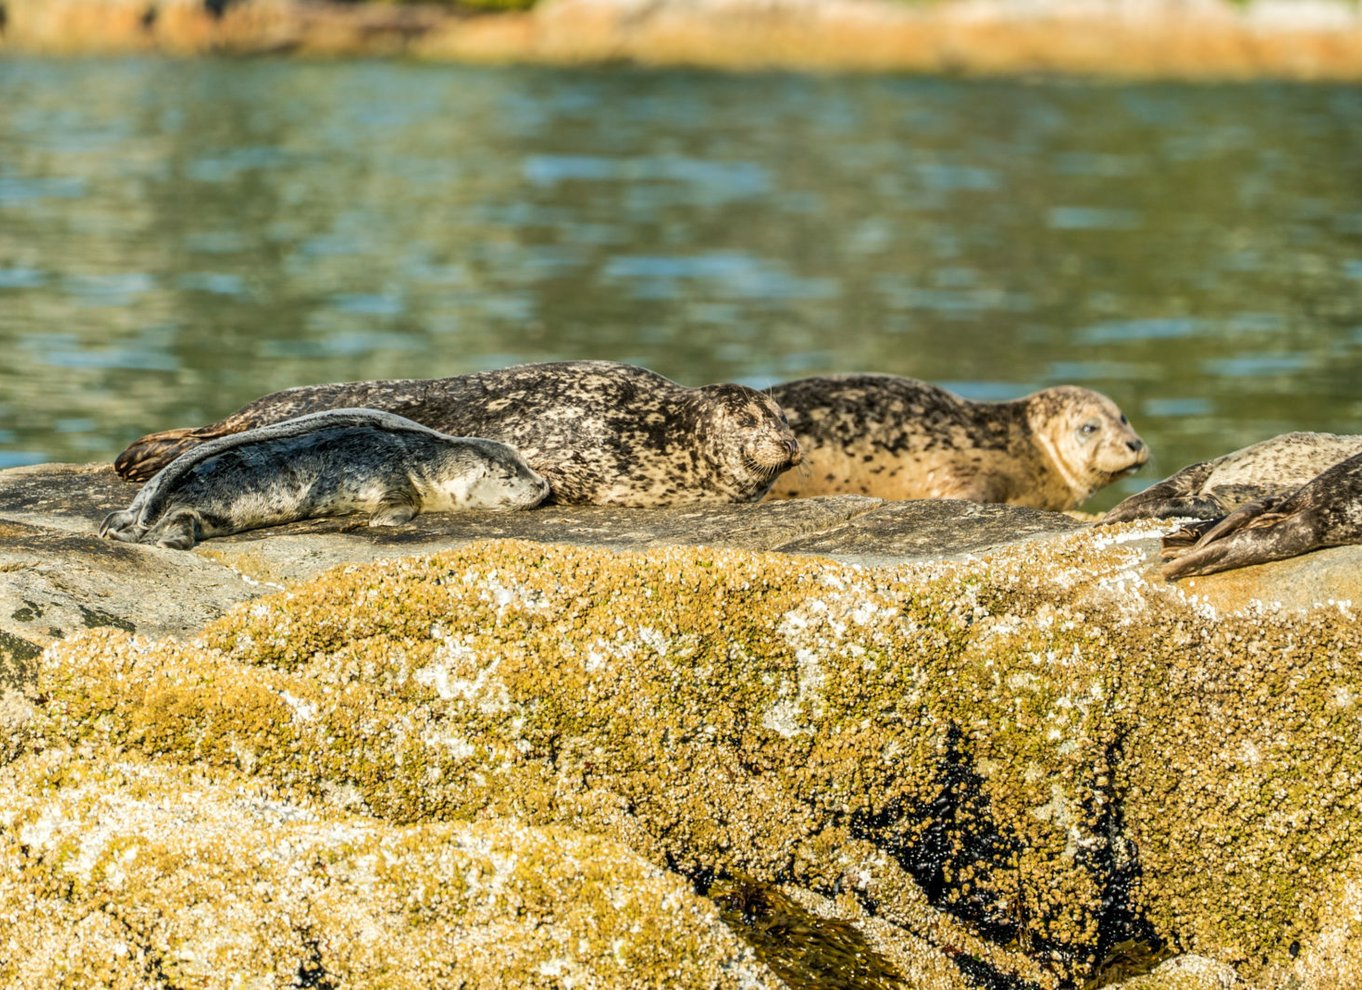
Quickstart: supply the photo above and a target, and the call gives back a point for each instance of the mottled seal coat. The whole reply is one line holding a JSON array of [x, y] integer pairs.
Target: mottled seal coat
[[323, 464], [901, 438], [1268, 469], [1325, 512], [600, 432]]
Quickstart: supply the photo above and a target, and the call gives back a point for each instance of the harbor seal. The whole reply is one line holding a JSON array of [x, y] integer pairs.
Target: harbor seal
[[901, 438], [1324, 512], [600, 432], [1211, 489], [324, 464]]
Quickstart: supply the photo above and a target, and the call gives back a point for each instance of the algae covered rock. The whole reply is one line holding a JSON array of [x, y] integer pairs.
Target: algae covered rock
[[980, 773], [136, 874]]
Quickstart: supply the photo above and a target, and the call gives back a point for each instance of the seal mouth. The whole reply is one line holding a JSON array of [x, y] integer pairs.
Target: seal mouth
[[765, 470]]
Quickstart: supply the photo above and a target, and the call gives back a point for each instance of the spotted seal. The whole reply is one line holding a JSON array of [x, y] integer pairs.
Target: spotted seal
[[1324, 512], [901, 438], [323, 464], [600, 432], [1268, 469]]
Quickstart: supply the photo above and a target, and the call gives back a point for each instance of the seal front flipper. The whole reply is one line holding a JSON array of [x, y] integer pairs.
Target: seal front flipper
[[1174, 496]]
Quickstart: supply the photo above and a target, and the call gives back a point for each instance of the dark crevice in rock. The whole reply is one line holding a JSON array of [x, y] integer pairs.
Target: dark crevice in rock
[[4, 18], [956, 833], [149, 16], [806, 951], [983, 976], [1127, 944], [312, 973], [217, 7]]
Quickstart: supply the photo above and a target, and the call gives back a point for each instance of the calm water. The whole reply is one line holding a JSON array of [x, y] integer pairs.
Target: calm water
[[179, 237]]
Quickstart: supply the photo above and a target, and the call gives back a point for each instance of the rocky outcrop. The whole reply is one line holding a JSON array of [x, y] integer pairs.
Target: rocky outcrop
[[1299, 39], [987, 748]]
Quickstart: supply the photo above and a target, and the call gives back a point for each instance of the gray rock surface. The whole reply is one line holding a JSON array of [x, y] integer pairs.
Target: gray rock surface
[[58, 576]]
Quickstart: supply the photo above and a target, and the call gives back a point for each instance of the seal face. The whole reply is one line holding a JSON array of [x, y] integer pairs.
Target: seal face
[[600, 432], [901, 438], [323, 464], [1271, 468], [1325, 512]]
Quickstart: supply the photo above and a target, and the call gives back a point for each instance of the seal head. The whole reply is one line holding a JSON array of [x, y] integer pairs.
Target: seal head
[[748, 437], [1086, 436]]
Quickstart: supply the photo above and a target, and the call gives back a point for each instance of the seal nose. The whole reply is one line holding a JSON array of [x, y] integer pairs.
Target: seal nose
[[1135, 445], [792, 447]]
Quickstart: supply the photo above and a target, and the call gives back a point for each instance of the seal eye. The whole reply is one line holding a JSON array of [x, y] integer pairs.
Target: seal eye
[[1124, 421]]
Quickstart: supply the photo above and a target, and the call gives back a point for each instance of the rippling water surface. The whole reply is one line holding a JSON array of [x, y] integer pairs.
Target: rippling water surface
[[179, 237]]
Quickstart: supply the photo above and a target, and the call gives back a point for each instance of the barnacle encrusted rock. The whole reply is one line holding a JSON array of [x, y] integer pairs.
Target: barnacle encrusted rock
[[986, 772], [130, 873]]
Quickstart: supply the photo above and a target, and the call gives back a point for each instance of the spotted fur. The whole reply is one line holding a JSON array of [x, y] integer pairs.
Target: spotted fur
[[600, 432], [901, 438], [323, 464]]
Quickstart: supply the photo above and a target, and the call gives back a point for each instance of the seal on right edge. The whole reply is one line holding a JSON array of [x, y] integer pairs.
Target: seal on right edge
[[1271, 468], [1326, 512]]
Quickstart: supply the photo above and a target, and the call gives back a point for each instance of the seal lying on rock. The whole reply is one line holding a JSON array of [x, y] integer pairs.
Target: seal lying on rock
[[901, 438], [324, 464], [1268, 469], [600, 432], [1326, 512]]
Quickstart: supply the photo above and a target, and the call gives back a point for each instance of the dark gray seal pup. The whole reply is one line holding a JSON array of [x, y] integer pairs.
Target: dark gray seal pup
[[600, 432], [1268, 469], [324, 464], [1325, 512], [901, 438]]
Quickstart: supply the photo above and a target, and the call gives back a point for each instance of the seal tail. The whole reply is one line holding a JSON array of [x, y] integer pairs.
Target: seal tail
[[147, 455]]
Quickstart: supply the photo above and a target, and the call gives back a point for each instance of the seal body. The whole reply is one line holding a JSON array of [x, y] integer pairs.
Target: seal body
[[600, 432], [901, 438], [1325, 512], [1211, 489], [323, 464]]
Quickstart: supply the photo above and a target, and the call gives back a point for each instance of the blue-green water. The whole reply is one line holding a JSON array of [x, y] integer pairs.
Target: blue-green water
[[179, 237]]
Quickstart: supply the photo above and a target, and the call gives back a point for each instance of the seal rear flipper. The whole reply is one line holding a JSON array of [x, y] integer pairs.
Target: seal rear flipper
[[178, 530], [1251, 535], [149, 454], [1186, 537], [1194, 536], [120, 525]]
